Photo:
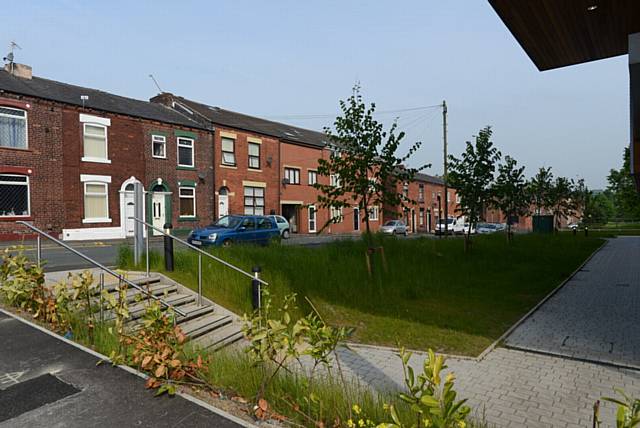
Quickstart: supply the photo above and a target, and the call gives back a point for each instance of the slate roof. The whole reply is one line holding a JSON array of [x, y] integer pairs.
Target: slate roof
[[232, 119], [98, 100], [428, 178]]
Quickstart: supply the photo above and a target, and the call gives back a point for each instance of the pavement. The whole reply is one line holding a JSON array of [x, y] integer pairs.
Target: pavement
[[47, 382]]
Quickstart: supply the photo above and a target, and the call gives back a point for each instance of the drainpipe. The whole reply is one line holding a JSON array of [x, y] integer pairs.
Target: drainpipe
[[634, 95]]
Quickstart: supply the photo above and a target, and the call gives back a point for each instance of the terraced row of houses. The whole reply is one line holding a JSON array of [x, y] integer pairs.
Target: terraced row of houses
[[70, 156]]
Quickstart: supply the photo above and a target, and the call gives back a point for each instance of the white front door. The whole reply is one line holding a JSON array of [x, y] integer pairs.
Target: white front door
[[129, 211], [158, 212], [223, 205]]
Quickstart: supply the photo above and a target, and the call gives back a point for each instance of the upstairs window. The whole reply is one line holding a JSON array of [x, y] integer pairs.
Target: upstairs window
[[313, 178], [292, 175], [95, 143], [14, 195], [421, 193], [405, 189], [13, 128], [185, 152], [159, 146], [334, 180], [254, 156], [228, 151]]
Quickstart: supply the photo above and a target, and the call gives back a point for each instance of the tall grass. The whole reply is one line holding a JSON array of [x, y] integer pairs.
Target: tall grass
[[431, 295]]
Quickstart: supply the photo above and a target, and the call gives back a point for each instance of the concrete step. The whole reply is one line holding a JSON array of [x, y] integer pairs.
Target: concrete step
[[194, 311], [222, 337], [204, 324], [174, 299], [112, 283], [159, 290]]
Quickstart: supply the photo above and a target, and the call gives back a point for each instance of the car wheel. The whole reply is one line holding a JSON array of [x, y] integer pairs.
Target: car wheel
[[285, 234], [226, 243], [405, 233]]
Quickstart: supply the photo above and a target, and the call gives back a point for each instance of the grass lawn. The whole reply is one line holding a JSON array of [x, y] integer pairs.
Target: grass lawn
[[432, 295]]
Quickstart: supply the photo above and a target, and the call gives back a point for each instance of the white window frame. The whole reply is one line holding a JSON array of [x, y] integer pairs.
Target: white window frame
[[334, 180], [15, 183], [105, 184], [421, 215], [193, 197], [336, 214], [106, 142], [250, 156], [374, 213], [162, 140], [312, 173], [193, 151], [253, 197], [26, 126], [288, 171], [233, 152], [420, 192]]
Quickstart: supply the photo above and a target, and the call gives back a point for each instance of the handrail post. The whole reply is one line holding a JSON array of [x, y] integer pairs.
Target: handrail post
[[256, 288], [199, 279], [39, 250], [168, 248], [101, 297], [147, 247]]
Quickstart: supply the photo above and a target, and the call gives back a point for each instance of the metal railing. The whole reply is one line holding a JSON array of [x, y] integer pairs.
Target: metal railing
[[254, 276], [99, 265]]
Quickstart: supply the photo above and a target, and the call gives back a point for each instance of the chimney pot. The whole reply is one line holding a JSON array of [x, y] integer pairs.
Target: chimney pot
[[19, 70]]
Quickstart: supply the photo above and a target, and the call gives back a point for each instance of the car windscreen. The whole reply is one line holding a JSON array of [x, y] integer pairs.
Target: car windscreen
[[228, 222], [390, 223]]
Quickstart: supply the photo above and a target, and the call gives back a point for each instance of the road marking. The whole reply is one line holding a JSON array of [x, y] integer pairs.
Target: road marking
[[12, 377]]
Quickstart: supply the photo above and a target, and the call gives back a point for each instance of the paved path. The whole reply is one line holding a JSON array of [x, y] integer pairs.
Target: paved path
[[596, 315], [521, 388], [46, 382]]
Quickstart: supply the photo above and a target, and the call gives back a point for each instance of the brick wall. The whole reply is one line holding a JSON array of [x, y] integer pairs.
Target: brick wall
[[43, 158], [235, 177]]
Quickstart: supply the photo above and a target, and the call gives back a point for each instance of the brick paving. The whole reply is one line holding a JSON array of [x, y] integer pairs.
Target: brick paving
[[522, 388]]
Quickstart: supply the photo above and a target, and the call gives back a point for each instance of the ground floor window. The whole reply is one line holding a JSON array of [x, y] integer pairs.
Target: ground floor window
[[312, 219], [336, 214], [96, 202], [254, 200], [14, 195], [187, 196], [373, 213], [421, 217]]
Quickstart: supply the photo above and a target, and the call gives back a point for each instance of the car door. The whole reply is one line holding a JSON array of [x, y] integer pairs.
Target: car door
[[247, 230], [265, 227]]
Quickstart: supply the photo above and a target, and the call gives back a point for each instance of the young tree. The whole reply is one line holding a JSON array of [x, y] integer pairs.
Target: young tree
[[561, 200], [625, 196], [364, 162], [472, 177], [510, 194], [540, 189]]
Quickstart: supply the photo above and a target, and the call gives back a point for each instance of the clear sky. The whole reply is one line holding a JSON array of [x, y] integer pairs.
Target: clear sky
[[289, 60]]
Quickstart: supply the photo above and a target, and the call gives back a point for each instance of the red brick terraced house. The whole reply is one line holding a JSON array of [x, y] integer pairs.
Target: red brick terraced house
[[266, 167], [426, 192], [69, 157]]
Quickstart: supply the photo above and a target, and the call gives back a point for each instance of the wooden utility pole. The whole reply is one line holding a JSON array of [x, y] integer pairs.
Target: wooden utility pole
[[444, 175]]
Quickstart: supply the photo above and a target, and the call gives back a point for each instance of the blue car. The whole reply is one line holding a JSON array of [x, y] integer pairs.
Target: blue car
[[232, 229]]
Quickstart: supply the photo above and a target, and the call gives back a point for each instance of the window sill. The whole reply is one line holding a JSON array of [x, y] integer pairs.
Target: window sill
[[186, 168], [19, 149], [228, 166], [95, 160], [188, 218], [158, 157], [16, 218], [254, 170], [96, 220]]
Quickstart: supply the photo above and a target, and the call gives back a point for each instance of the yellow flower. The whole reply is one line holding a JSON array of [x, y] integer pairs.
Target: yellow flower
[[361, 423], [450, 378], [461, 424], [356, 409], [350, 423]]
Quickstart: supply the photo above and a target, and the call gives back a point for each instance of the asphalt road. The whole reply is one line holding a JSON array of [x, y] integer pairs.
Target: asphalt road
[[47, 382], [106, 252]]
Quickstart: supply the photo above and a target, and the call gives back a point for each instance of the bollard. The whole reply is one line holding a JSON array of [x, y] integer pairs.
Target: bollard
[[575, 230], [256, 291], [586, 231], [168, 248]]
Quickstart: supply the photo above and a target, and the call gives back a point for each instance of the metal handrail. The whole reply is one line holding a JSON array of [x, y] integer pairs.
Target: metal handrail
[[193, 247], [98, 265]]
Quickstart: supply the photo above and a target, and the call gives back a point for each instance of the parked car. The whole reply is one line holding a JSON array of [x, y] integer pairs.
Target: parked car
[[283, 225], [484, 228], [394, 227], [573, 226], [233, 229], [453, 226], [465, 229]]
